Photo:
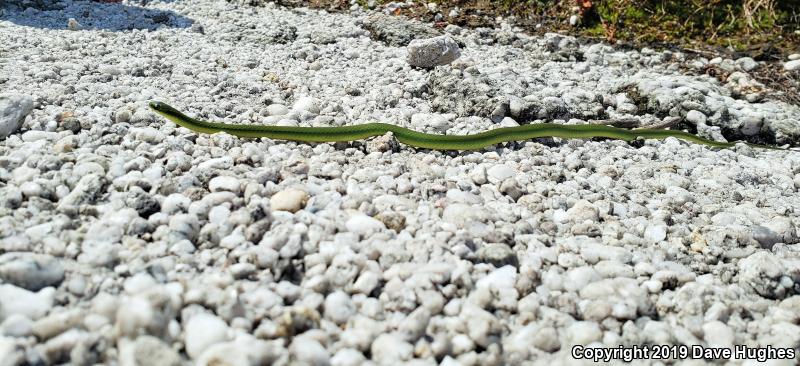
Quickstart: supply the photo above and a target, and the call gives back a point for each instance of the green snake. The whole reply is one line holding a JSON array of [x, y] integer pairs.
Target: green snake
[[431, 141]]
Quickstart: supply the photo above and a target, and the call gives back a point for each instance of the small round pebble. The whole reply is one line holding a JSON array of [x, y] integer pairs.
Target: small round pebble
[[291, 200]]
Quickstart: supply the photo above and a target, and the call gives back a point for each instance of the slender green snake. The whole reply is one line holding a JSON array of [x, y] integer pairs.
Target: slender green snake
[[431, 141]]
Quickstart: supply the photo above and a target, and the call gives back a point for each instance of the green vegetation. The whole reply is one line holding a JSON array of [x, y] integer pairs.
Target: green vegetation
[[723, 22], [760, 27]]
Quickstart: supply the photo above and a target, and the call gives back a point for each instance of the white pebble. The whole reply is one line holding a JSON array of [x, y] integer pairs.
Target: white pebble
[[73, 24], [348, 357], [338, 307], [277, 110], [498, 173], [792, 65], [33, 305], [202, 331], [16, 325], [655, 233], [583, 333], [364, 225], [696, 117], [390, 349], [224, 183], [291, 200], [717, 334], [306, 104], [308, 351]]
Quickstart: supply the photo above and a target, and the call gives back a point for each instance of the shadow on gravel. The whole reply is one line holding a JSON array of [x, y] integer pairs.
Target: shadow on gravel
[[92, 15]]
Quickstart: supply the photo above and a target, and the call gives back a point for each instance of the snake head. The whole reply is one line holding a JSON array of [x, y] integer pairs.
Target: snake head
[[166, 110], [160, 106]]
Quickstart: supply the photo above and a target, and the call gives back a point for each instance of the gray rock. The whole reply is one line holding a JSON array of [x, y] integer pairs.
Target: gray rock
[[396, 31], [474, 96], [147, 134], [581, 211], [277, 32], [784, 228], [546, 339], [431, 52], [175, 203], [792, 65], [147, 350], [184, 226], [462, 215], [142, 202], [308, 351], [746, 64], [519, 344], [390, 348], [13, 110], [33, 305], [764, 236], [767, 275], [414, 325], [244, 350], [86, 191], [497, 254], [435, 123], [338, 307], [322, 37], [626, 298], [482, 325], [11, 197], [31, 271], [281, 33]]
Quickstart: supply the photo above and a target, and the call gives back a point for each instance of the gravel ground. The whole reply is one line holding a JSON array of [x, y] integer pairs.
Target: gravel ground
[[127, 240]]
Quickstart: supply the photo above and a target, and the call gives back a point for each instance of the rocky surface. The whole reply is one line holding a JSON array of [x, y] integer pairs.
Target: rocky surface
[[432, 52], [127, 239]]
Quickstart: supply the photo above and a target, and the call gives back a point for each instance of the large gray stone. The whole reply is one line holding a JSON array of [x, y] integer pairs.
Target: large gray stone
[[31, 271], [432, 52], [13, 110]]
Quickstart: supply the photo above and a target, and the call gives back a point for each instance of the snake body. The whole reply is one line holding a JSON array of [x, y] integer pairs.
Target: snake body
[[430, 141]]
